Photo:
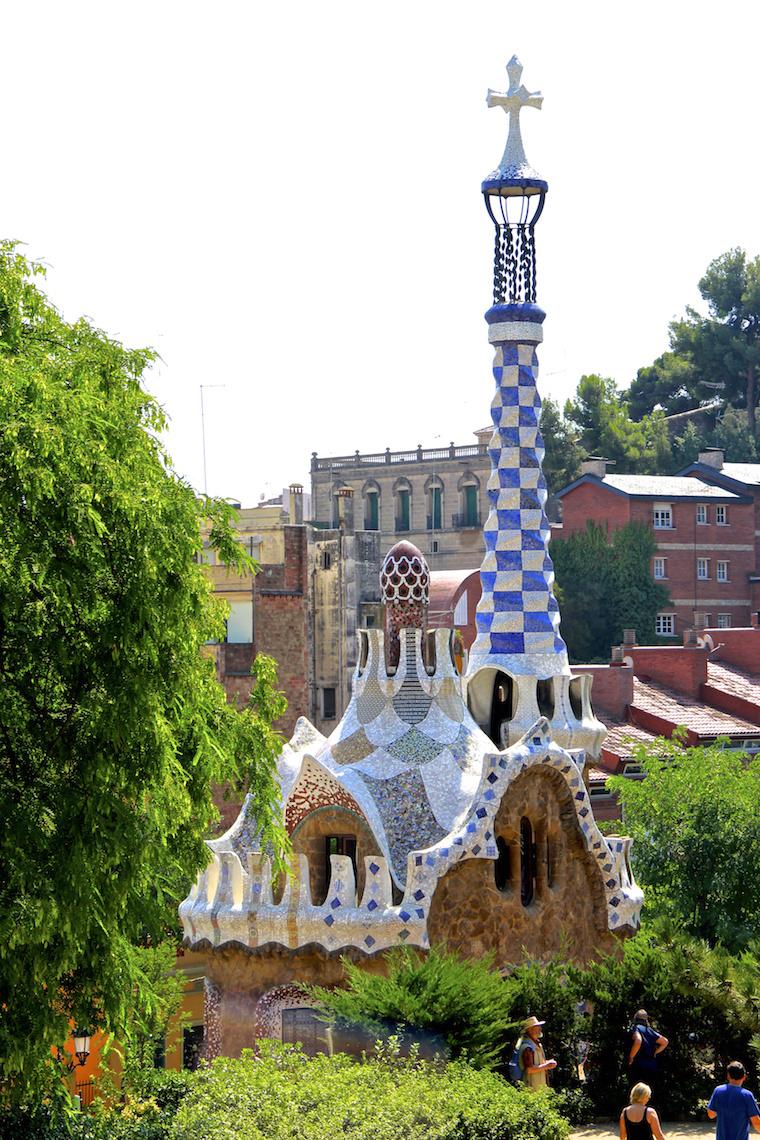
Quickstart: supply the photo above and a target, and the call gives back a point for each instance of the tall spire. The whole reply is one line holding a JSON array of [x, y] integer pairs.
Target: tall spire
[[517, 616]]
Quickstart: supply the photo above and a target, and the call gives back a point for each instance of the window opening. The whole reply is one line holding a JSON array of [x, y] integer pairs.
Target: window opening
[[402, 520], [501, 706], [328, 704], [302, 1025], [663, 518], [192, 1044], [703, 569], [659, 568], [502, 870], [721, 516], [701, 513], [722, 572], [434, 519], [665, 625], [471, 505], [527, 862], [545, 697], [372, 511], [326, 560], [724, 621]]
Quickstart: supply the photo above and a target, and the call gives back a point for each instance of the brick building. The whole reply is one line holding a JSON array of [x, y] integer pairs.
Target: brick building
[[269, 612], [705, 533]]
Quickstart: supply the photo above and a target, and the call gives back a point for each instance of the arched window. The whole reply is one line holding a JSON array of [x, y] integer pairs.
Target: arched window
[[502, 869], [403, 496], [371, 494], [434, 493], [527, 862], [326, 560], [469, 495]]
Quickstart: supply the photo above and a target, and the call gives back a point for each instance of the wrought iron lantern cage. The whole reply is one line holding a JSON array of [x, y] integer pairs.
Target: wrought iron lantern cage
[[514, 211]]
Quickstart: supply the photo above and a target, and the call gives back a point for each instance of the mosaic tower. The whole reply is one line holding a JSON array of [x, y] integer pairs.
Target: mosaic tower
[[518, 616]]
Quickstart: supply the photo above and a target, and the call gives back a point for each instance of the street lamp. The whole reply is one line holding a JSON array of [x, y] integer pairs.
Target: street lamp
[[81, 1049]]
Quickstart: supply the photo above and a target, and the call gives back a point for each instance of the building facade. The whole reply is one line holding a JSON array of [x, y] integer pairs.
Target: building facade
[[704, 531], [435, 497], [268, 611]]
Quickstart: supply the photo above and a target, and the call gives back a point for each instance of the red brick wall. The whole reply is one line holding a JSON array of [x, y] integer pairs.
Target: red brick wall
[[282, 622], [592, 502], [680, 667], [612, 688], [740, 647]]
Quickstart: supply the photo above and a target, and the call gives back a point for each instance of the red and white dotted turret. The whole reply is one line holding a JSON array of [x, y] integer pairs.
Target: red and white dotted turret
[[405, 583]]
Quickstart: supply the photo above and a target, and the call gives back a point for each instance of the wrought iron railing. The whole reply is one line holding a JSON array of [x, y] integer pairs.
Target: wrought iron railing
[[419, 455]]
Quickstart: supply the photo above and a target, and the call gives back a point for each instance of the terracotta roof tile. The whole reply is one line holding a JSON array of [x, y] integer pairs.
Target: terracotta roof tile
[[678, 708], [732, 680]]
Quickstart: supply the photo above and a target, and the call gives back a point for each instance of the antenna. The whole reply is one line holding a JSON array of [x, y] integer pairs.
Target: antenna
[[203, 433]]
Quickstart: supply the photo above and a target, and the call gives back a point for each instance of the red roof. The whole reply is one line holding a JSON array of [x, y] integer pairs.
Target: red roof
[[677, 708]]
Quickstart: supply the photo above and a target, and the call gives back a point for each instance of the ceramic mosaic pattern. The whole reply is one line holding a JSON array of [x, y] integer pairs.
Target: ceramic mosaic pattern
[[268, 1013], [212, 1036], [426, 814], [315, 788], [517, 615], [405, 583]]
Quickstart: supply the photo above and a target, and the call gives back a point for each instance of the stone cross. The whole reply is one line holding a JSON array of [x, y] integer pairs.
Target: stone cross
[[513, 101]]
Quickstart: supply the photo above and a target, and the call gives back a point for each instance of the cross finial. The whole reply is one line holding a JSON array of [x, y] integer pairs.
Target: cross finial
[[514, 164]]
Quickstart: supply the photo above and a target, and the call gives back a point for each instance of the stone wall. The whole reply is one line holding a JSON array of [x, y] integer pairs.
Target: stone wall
[[237, 980], [568, 913]]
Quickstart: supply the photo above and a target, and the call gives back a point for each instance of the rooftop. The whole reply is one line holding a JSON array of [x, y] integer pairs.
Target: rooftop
[[748, 473], [659, 486], [678, 708], [735, 681]]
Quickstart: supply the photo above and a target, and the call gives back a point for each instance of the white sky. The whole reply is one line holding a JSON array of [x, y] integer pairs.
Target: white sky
[[284, 199]]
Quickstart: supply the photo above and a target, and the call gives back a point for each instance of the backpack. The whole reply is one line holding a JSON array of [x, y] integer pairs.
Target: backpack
[[515, 1069]]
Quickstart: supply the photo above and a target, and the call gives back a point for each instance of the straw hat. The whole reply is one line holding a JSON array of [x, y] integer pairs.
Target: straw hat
[[531, 1023]]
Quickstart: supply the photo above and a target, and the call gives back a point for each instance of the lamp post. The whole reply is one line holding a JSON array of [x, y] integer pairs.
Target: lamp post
[[81, 1050]]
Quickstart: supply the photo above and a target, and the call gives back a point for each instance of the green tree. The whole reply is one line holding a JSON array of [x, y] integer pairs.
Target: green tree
[[600, 414], [664, 384], [695, 822], [606, 585], [563, 452], [112, 724]]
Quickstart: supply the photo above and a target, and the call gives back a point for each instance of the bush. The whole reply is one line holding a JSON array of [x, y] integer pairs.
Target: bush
[[282, 1094], [460, 1002]]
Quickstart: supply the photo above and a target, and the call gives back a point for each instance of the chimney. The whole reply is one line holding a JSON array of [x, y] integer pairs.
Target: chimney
[[712, 457], [755, 619], [295, 503], [596, 465], [629, 638], [616, 657], [700, 620], [346, 509], [689, 638]]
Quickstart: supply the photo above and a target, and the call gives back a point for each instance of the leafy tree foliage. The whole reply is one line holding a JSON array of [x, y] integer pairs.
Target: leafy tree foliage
[[600, 415], [695, 821], [664, 384], [112, 724], [563, 452], [605, 585], [716, 355], [462, 1003]]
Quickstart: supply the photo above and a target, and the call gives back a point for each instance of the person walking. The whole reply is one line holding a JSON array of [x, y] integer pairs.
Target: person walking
[[733, 1106], [646, 1046], [531, 1058], [637, 1120]]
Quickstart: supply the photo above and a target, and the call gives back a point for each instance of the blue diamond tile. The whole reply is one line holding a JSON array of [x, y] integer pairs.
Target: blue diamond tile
[[374, 868], [419, 895], [369, 940], [372, 904], [329, 920], [335, 904]]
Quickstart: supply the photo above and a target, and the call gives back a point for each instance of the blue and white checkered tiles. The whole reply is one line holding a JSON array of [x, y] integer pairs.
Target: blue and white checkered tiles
[[518, 616]]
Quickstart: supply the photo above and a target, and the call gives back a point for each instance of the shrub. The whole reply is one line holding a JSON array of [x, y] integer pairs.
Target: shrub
[[281, 1094], [460, 1002]]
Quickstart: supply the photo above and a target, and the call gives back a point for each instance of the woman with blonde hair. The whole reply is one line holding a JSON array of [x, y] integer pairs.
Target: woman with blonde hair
[[637, 1122]]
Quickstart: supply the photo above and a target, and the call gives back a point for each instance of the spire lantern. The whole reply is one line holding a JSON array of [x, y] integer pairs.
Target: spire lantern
[[514, 195]]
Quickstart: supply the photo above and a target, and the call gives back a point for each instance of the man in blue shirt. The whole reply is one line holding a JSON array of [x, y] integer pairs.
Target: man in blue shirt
[[734, 1106]]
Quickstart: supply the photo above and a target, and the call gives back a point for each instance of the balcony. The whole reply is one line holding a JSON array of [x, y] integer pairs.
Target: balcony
[[417, 455], [466, 521]]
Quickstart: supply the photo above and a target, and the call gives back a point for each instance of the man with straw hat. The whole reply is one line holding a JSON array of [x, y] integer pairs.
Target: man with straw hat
[[530, 1054]]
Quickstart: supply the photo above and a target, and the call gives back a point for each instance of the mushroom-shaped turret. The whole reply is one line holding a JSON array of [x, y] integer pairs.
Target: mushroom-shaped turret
[[405, 583]]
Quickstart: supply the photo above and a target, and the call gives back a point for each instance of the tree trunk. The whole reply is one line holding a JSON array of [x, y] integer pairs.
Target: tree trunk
[[751, 399]]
